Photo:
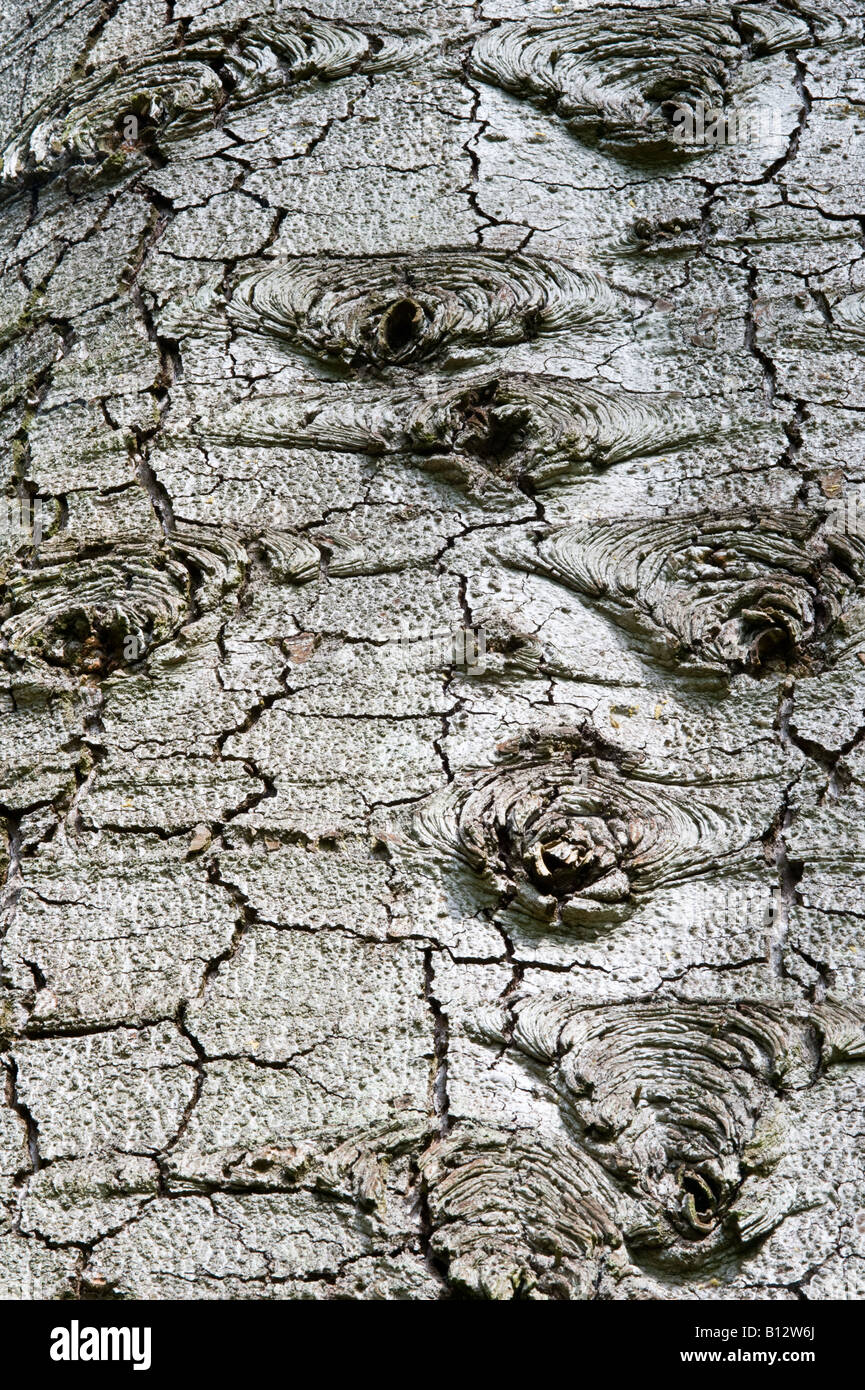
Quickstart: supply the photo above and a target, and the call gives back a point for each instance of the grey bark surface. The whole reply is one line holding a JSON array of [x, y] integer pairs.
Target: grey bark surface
[[432, 652]]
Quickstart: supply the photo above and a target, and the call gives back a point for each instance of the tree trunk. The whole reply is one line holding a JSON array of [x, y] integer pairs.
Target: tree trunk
[[432, 651]]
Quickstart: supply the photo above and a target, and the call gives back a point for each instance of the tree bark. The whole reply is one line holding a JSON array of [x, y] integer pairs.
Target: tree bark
[[432, 656]]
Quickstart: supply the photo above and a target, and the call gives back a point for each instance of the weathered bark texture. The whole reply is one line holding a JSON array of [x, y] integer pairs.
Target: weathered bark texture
[[432, 650]]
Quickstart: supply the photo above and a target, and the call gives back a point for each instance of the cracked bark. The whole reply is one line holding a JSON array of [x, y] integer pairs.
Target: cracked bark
[[334, 962]]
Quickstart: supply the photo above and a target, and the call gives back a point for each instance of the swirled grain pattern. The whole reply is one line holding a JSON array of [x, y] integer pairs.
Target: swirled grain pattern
[[89, 609], [722, 593], [674, 1123], [618, 77], [397, 310], [567, 830]]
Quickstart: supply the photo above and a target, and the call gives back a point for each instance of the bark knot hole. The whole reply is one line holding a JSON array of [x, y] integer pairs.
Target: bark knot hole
[[400, 326]]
